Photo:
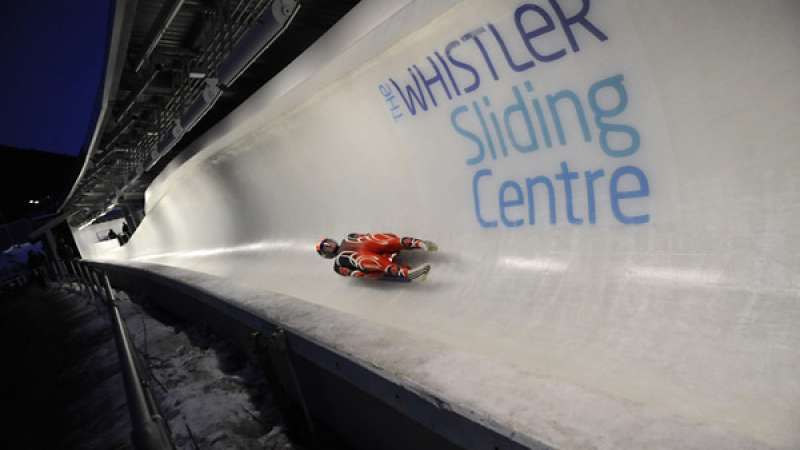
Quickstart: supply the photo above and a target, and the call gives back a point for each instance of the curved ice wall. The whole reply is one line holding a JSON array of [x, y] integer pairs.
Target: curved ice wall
[[613, 186]]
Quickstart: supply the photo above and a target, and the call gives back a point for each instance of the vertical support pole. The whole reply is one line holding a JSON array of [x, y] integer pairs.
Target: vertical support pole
[[70, 271], [62, 271], [73, 269], [56, 273], [51, 243], [79, 276], [86, 281], [94, 282], [106, 284], [98, 287], [87, 274]]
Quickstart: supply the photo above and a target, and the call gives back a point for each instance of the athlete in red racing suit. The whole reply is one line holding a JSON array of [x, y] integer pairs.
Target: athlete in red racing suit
[[371, 255]]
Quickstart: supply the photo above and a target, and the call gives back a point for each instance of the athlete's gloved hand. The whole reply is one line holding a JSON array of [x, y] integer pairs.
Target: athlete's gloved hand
[[429, 246]]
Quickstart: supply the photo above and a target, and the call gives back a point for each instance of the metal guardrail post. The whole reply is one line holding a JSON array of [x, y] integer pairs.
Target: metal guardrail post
[[59, 276], [97, 288], [150, 430], [64, 273], [77, 273], [85, 278], [87, 270], [84, 270], [54, 264], [79, 276], [73, 272], [94, 278], [276, 354]]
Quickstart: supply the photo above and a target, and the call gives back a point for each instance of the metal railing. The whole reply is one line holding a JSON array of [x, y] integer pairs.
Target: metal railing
[[150, 429]]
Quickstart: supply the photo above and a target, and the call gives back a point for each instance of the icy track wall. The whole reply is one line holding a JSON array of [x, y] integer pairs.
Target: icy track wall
[[613, 186]]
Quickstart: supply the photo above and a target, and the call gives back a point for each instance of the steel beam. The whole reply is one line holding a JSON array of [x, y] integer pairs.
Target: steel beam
[[135, 95], [167, 15]]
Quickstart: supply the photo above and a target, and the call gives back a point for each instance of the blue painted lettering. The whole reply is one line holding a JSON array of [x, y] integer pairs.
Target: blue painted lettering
[[643, 190]]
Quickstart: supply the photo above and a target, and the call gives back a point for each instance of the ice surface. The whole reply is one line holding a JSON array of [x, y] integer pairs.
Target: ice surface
[[680, 331]]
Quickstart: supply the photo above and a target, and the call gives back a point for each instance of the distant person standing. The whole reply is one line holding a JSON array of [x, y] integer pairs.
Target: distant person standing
[[126, 232], [119, 237]]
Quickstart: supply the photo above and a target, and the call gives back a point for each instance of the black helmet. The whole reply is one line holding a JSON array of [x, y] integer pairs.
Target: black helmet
[[327, 253]]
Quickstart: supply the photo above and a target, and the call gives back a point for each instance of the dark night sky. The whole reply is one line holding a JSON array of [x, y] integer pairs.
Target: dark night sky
[[53, 56]]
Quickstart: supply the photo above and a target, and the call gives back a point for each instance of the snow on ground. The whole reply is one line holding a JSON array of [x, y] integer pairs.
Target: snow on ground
[[211, 396]]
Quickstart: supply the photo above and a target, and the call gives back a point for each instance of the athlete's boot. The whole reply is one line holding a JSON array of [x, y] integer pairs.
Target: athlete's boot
[[420, 271]]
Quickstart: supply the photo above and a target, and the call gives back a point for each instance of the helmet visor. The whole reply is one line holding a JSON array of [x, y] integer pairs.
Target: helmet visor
[[328, 248]]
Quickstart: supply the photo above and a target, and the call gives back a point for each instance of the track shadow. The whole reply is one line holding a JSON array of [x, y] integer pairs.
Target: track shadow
[[415, 258], [431, 283]]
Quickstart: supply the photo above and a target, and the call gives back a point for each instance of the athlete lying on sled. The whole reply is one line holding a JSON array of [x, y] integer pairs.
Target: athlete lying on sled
[[372, 255]]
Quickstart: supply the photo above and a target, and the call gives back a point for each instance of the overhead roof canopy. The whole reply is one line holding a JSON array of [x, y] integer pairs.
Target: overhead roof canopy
[[175, 68]]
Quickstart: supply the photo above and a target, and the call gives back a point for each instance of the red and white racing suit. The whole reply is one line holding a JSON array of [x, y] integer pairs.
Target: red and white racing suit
[[371, 255]]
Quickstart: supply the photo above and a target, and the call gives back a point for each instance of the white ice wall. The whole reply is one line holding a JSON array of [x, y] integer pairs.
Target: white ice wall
[[672, 284]]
